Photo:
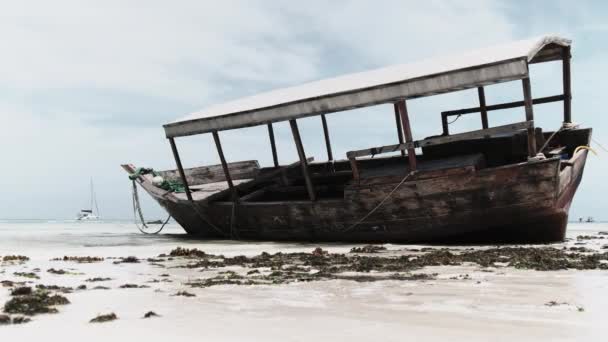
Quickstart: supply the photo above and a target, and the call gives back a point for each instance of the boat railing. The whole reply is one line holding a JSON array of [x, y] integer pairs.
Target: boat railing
[[484, 109], [482, 133]]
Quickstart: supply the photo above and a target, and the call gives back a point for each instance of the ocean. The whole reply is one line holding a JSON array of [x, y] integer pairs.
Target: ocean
[[458, 302]]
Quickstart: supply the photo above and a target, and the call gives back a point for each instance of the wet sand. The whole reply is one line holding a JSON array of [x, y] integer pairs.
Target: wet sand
[[455, 302]]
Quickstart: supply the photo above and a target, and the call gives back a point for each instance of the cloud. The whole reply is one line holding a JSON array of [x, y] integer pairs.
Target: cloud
[[87, 86]]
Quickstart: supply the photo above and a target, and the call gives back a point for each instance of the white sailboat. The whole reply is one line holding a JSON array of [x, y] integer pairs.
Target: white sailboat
[[89, 214]]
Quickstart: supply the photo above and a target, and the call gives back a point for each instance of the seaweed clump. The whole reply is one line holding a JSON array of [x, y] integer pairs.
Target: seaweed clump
[[30, 275], [80, 259], [63, 289], [18, 258], [96, 279], [368, 249], [133, 286], [21, 291], [319, 264], [150, 314], [185, 252], [127, 260], [6, 319], [104, 318], [36, 302]]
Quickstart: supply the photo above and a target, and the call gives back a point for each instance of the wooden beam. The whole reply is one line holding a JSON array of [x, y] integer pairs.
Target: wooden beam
[[298, 140], [567, 84], [444, 124], [529, 116], [407, 131], [482, 105], [275, 157], [220, 152], [441, 140], [330, 155], [508, 105], [354, 168], [180, 168], [399, 128]]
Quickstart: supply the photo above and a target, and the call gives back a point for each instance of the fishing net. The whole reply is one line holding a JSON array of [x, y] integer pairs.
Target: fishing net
[[167, 184]]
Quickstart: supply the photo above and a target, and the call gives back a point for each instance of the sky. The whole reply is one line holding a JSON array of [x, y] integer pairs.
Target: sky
[[87, 86]]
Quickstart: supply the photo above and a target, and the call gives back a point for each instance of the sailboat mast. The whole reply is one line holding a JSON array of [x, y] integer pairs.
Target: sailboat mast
[[94, 200]]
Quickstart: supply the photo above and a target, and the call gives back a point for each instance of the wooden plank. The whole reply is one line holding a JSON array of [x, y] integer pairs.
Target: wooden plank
[[298, 140], [529, 116], [220, 152], [441, 140], [482, 106], [275, 157], [407, 132], [180, 168], [540, 100], [399, 127], [330, 155], [254, 195], [567, 84], [214, 173]]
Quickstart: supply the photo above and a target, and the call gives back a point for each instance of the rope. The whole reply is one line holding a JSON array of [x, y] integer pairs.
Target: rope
[[137, 213], [457, 117], [598, 144], [379, 204], [548, 140]]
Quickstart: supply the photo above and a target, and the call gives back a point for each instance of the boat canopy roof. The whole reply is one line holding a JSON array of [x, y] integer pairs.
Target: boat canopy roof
[[474, 68]]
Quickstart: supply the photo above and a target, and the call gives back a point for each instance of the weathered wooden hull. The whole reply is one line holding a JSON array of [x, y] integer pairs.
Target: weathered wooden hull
[[525, 202]]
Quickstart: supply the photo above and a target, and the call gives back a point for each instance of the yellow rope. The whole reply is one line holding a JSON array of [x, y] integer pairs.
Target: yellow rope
[[583, 147]]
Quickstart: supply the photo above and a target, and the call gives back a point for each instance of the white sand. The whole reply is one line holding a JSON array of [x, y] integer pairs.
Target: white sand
[[507, 304]]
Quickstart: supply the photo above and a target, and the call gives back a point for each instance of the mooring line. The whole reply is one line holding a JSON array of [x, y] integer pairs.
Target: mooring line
[[381, 202], [598, 144]]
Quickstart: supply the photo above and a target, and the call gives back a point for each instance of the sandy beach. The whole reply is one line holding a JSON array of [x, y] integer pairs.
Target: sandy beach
[[464, 301]]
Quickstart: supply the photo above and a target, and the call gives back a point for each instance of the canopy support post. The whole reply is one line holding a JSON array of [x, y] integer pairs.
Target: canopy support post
[[567, 84], [529, 116], [220, 152], [482, 105], [399, 128], [444, 124], [330, 155], [405, 120], [298, 140], [180, 169], [275, 157]]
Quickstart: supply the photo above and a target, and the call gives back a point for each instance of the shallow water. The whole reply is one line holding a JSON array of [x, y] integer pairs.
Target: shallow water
[[503, 305]]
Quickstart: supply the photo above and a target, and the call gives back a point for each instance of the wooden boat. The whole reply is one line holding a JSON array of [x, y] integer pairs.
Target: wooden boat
[[509, 183]]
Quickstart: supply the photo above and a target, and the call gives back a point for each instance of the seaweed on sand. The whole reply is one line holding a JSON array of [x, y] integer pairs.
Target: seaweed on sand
[[96, 279], [6, 319], [39, 301], [104, 318], [368, 249], [322, 265], [150, 314], [30, 275], [18, 258], [80, 259], [133, 286], [185, 252], [21, 291], [63, 289], [127, 260]]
